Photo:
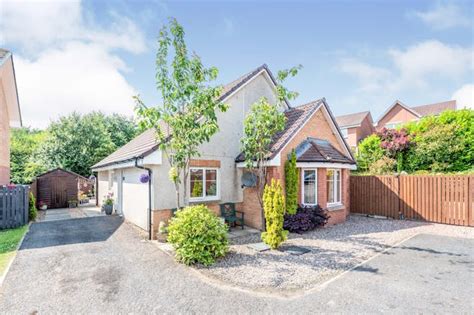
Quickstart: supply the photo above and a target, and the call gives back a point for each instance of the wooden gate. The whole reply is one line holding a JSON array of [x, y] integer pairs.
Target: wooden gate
[[441, 198], [14, 206]]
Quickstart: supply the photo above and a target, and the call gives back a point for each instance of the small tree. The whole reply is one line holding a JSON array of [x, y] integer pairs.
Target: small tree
[[274, 209], [291, 184], [395, 143], [262, 123], [187, 117]]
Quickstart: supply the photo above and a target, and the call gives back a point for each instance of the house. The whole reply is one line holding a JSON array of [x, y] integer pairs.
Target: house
[[10, 115], [399, 113], [57, 187], [323, 158], [355, 127]]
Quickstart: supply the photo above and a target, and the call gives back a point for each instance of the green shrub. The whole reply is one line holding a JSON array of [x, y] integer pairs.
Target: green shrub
[[383, 166], [198, 236], [33, 212], [291, 184], [369, 152], [274, 210]]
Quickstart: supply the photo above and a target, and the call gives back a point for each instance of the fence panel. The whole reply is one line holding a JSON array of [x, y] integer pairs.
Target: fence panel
[[14, 202], [442, 199]]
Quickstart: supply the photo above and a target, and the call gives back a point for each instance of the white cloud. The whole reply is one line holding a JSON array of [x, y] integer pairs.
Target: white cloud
[[35, 25], [67, 62], [370, 77], [80, 77], [418, 70], [444, 16], [431, 58], [464, 96]]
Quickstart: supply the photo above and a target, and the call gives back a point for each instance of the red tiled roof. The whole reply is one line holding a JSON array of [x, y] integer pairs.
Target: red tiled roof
[[319, 150], [434, 109], [295, 118], [351, 119]]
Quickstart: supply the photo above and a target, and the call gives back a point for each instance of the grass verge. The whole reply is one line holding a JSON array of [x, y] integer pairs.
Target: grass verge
[[9, 240]]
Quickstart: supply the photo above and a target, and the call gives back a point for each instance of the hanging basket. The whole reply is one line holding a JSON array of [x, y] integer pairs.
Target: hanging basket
[[144, 178]]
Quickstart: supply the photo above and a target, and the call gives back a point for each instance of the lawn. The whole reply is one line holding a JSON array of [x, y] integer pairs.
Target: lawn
[[9, 240]]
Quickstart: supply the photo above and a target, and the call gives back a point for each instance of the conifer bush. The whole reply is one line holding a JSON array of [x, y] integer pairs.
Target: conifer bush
[[291, 184], [274, 210]]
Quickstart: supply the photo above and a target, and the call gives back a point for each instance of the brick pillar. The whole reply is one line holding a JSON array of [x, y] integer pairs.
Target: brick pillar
[[322, 188]]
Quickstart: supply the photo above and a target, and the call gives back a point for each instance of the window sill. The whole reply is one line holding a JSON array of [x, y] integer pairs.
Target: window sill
[[336, 207], [204, 200]]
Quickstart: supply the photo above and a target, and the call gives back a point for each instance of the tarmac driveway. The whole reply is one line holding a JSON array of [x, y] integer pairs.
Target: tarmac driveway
[[101, 264]]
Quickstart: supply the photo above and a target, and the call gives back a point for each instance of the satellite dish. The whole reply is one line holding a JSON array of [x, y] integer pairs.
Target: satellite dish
[[249, 179]]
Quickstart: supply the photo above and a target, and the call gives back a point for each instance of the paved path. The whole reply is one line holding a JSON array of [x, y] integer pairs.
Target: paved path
[[100, 264], [83, 211]]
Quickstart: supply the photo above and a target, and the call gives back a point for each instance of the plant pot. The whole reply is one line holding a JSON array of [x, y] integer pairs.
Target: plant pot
[[108, 209], [44, 207]]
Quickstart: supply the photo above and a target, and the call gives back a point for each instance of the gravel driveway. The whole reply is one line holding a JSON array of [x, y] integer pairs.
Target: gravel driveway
[[332, 250], [103, 265]]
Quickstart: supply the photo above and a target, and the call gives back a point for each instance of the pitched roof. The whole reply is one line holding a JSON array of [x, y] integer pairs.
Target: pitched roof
[[434, 109], [146, 142], [233, 86], [295, 118], [140, 146], [351, 119], [319, 150], [62, 170], [423, 110]]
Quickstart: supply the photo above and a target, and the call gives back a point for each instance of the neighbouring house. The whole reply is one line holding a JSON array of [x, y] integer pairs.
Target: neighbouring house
[[323, 158], [10, 115], [57, 187], [355, 127], [399, 113]]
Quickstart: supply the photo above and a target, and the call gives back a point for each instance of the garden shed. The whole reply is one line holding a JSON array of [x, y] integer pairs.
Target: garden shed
[[56, 188]]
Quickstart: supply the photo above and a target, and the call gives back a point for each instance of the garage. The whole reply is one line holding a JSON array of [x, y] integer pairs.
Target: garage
[[133, 196]]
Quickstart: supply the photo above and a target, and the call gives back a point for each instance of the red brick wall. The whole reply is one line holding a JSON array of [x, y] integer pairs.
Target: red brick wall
[[397, 114], [4, 175]]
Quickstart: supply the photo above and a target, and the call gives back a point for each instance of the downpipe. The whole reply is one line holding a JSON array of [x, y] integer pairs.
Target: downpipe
[[150, 173]]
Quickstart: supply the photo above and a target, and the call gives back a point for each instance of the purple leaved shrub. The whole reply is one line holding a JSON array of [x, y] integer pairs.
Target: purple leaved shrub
[[306, 218]]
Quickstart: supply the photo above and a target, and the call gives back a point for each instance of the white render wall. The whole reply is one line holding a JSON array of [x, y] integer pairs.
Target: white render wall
[[223, 146]]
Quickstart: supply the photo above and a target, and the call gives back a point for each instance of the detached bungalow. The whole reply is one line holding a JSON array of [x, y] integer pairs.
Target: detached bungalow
[[323, 158]]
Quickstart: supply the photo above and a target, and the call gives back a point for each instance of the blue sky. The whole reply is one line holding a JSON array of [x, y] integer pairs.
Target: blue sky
[[359, 55]]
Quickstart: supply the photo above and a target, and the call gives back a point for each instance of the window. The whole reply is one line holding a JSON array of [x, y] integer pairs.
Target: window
[[393, 125], [334, 186], [203, 184], [309, 189], [344, 133]]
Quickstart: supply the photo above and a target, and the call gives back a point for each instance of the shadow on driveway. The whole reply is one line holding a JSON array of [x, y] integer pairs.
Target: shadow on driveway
[[72, 231]]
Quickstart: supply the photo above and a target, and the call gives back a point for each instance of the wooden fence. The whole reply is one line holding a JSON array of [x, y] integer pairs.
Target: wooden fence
[[442, 199], [13, 206]]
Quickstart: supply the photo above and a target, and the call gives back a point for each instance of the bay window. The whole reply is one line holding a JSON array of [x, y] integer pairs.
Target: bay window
[[334, 186], [203, 184], [309, 186]]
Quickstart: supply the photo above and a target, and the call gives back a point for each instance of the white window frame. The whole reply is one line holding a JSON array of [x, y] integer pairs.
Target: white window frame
[[345, 132], [203, 197], [315, 186], [393, 124], [336, 203]]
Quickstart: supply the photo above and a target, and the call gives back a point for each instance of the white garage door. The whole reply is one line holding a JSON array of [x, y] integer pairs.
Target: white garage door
[[135, 197]]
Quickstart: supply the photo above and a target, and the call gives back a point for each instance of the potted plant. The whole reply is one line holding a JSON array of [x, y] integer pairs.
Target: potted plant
[[108, 203], [43, 205], [73, 203]]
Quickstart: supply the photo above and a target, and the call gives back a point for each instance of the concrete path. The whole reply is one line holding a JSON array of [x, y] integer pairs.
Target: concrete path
[[103, 265], [83, 211]]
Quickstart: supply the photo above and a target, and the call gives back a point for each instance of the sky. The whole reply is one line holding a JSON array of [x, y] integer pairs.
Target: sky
[[359, 55]]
